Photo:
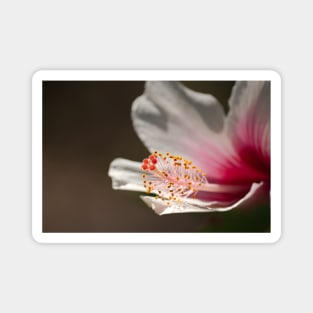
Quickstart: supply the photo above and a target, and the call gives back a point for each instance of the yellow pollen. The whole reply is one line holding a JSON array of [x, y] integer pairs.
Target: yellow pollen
[[172, 177]]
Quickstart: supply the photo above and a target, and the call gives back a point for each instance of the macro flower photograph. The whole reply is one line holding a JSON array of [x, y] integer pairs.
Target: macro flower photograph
[[157, 156]]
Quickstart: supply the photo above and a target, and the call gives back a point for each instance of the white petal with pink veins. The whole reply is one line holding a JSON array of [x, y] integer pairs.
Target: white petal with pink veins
[[248, 121]]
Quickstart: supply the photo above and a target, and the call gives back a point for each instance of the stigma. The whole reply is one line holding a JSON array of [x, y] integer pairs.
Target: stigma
[[172, 177]]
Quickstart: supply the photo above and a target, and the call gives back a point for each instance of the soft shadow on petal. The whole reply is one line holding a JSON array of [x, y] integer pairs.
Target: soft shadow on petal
[[248, 123], [126, 175], [197, 206], [170, 117]]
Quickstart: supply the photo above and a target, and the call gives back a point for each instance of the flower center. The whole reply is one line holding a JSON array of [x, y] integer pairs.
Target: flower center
[[172, 177]]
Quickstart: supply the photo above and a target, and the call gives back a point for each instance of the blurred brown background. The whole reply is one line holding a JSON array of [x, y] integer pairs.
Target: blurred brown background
[[86, 124]]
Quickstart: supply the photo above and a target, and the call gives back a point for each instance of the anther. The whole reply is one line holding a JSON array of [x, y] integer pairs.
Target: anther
[[171, 177]]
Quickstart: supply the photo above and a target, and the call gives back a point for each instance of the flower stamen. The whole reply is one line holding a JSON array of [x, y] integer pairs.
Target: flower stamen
[[174, 178]]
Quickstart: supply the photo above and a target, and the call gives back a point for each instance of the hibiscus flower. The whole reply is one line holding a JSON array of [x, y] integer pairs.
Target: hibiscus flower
[[201, 160]]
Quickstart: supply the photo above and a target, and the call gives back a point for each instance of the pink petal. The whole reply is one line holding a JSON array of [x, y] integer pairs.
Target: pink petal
[[242, 156], [248, 124]]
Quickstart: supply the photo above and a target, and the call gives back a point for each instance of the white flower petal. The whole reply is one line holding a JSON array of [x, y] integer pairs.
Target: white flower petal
[[161, 207], [248, 122], [126, 175], [170, 117], [197, 206]]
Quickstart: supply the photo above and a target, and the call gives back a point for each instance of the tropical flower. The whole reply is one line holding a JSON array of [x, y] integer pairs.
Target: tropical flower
[[201, 159]]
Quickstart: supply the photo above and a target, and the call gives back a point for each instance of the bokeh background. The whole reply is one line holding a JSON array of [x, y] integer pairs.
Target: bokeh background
[[86, 124]]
